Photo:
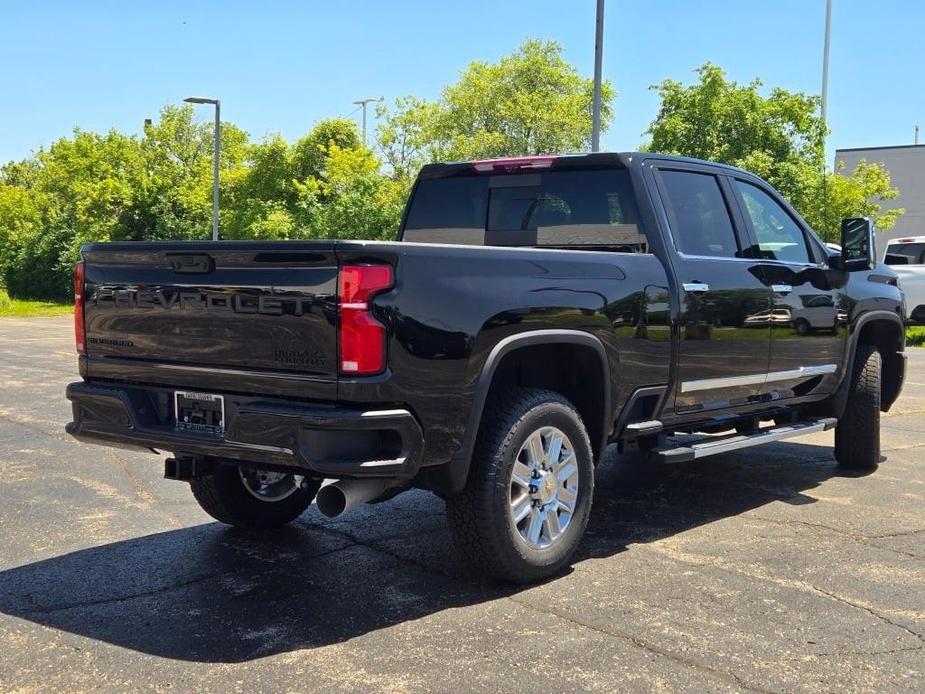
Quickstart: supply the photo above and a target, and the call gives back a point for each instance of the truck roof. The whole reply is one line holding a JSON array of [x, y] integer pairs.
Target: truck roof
[[559, 161]]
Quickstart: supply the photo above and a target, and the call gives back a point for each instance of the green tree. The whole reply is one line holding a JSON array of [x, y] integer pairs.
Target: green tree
[[779, 137], [81, 189], [406, 135], [177, 194], [107, 187], [326, 185], [350, 198], [310, 152], [20, 220], [259, 197], [530, 102]]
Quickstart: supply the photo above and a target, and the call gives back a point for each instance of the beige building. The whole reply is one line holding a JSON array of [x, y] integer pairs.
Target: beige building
[[906, 164]]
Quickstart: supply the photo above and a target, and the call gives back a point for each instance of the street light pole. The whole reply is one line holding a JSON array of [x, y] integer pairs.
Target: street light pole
[[216, 155], [598, 68], [362, 103], [216, 160], [824, 111], [825, 59]]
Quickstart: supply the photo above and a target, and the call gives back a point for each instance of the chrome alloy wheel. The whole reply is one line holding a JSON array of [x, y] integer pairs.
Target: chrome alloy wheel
[[544, 487], [270, 486]]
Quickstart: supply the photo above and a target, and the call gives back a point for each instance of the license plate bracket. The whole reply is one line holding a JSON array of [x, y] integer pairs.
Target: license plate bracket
[[200, 413]]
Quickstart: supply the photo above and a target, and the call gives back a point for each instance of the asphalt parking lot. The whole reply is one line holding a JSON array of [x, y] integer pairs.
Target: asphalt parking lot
[[763, 570]]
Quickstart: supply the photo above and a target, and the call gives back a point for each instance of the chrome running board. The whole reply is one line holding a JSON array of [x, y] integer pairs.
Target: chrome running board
[[712, 445]]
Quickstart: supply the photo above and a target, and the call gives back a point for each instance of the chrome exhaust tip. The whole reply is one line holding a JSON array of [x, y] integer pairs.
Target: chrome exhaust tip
[[337, 498]]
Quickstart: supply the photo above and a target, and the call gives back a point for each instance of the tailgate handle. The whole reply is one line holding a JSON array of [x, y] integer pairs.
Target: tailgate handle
[[187, 263]]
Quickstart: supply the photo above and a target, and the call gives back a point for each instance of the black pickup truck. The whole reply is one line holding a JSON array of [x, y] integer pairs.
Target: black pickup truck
[[531, 312]]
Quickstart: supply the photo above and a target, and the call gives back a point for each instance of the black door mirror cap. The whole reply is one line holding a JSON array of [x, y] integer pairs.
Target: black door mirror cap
[[858, 245]]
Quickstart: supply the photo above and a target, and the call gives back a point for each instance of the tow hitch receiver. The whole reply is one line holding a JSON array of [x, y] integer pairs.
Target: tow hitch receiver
[[185, 469]]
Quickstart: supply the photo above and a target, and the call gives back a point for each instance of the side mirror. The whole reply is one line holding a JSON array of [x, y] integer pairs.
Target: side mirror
[[858, 248]]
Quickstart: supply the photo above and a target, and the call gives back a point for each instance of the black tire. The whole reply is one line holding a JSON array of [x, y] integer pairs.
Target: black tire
[[857, 437], [223, 496], [802, 327], [479, 517]]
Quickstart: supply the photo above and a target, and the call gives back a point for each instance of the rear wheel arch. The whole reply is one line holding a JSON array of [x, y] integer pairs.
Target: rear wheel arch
[[579, 359]]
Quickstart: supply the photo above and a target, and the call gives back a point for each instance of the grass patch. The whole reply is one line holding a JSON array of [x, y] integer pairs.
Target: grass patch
[[915, 336], [26, 309]]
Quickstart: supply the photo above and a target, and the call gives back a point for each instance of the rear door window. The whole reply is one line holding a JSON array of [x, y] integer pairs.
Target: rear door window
[[697, 214]]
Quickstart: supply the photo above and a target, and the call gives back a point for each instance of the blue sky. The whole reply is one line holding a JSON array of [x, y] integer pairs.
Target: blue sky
[[280, 66]]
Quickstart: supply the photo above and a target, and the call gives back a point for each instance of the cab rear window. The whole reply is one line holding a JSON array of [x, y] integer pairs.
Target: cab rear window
[[592, 209], [905, 254]]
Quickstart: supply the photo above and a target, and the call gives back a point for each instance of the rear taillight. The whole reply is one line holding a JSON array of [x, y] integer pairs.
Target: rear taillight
[[361, 336], [80, 332]]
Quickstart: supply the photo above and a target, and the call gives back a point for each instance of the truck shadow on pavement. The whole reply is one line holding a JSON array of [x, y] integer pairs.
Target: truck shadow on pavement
[[209, 594]]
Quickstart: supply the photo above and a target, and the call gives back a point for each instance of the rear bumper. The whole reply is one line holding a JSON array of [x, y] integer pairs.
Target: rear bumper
[[325, 440]]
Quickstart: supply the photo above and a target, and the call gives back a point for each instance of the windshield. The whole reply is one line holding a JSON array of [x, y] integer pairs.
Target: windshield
[[592, 209]]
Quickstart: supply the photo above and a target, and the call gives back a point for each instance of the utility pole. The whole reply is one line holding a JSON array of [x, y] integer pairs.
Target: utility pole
[[598, 65], [916, 134], [362, 103], [216, 155]]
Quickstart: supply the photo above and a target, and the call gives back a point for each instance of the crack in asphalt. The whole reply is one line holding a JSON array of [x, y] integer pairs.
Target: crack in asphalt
[[842, 654], [702, 560], [341, 522], [869, 610], [18, 422], [371, 545], [859, 538], [900, 534], [80, 604], [644, 645]]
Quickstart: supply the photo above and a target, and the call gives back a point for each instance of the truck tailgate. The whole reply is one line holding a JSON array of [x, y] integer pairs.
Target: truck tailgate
[[254, 306]]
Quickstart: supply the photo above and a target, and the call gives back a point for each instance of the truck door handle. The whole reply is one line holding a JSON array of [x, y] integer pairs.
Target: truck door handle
[[781, 288], [696, 287]]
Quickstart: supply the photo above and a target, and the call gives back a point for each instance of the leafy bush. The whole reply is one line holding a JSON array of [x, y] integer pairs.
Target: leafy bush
[[915, 336], [42, 268]]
